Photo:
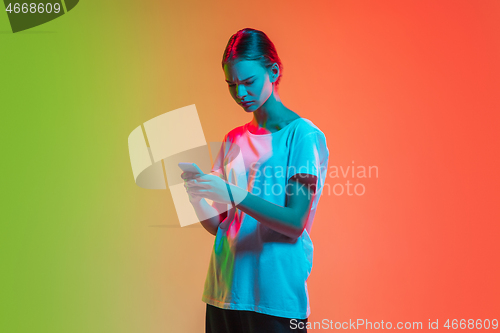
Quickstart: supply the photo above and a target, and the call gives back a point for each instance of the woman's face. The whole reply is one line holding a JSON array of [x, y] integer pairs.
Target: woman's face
[[250, 82]]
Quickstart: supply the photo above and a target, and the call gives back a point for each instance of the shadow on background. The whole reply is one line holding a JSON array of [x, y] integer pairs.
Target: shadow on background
[[175, 226]]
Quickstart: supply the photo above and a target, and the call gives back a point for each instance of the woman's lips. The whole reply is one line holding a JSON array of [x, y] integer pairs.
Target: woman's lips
[[246, 103]]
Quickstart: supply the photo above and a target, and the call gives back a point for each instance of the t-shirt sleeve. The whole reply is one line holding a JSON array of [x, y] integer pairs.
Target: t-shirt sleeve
[[218, 166], [308, 156], [219, 170]]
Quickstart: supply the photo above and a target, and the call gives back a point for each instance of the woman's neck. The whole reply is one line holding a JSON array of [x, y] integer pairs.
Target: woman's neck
[[272, 115]]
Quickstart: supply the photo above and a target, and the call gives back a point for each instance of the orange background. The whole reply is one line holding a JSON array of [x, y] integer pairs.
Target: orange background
[[411, 87]]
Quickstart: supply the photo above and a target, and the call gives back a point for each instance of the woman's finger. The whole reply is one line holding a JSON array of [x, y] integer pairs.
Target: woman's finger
[[188, 185], [193, 189], [196, 183], [187, 175], [198, 191], [203, 178]]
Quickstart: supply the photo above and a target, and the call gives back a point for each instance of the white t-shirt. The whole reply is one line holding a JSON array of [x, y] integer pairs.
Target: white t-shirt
[[253, 267]]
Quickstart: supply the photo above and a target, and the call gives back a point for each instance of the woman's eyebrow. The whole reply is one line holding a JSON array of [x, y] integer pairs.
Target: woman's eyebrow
[[241, 80]]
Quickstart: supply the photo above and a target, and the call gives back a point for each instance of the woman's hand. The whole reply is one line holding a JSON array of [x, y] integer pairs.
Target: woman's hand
[[187, 176], [207, 186]]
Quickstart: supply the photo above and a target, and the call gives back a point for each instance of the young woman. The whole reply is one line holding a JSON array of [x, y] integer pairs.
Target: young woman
[[265, 185]]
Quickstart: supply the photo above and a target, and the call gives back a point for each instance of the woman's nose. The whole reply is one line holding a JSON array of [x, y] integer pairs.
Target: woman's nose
[[240, 91]]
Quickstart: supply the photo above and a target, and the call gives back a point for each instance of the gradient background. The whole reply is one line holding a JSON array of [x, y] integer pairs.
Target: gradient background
[[411, 87]]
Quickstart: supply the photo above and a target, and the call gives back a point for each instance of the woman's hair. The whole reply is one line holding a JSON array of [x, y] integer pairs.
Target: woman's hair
[[252, 44]]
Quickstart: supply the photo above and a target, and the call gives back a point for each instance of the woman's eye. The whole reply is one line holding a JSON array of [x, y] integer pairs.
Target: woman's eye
[[233, 85]]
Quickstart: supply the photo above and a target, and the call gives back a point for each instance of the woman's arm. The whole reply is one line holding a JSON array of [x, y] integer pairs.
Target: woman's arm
[[209, 217], [289, 220]]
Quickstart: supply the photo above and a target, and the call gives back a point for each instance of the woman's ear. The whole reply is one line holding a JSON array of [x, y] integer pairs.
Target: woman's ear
[[275, 72]]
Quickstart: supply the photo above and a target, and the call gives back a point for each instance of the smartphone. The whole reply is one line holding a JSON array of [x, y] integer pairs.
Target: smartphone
[[190, 167]]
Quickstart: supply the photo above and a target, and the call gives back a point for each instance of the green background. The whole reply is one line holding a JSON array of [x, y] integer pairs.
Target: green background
[[72, 241]]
